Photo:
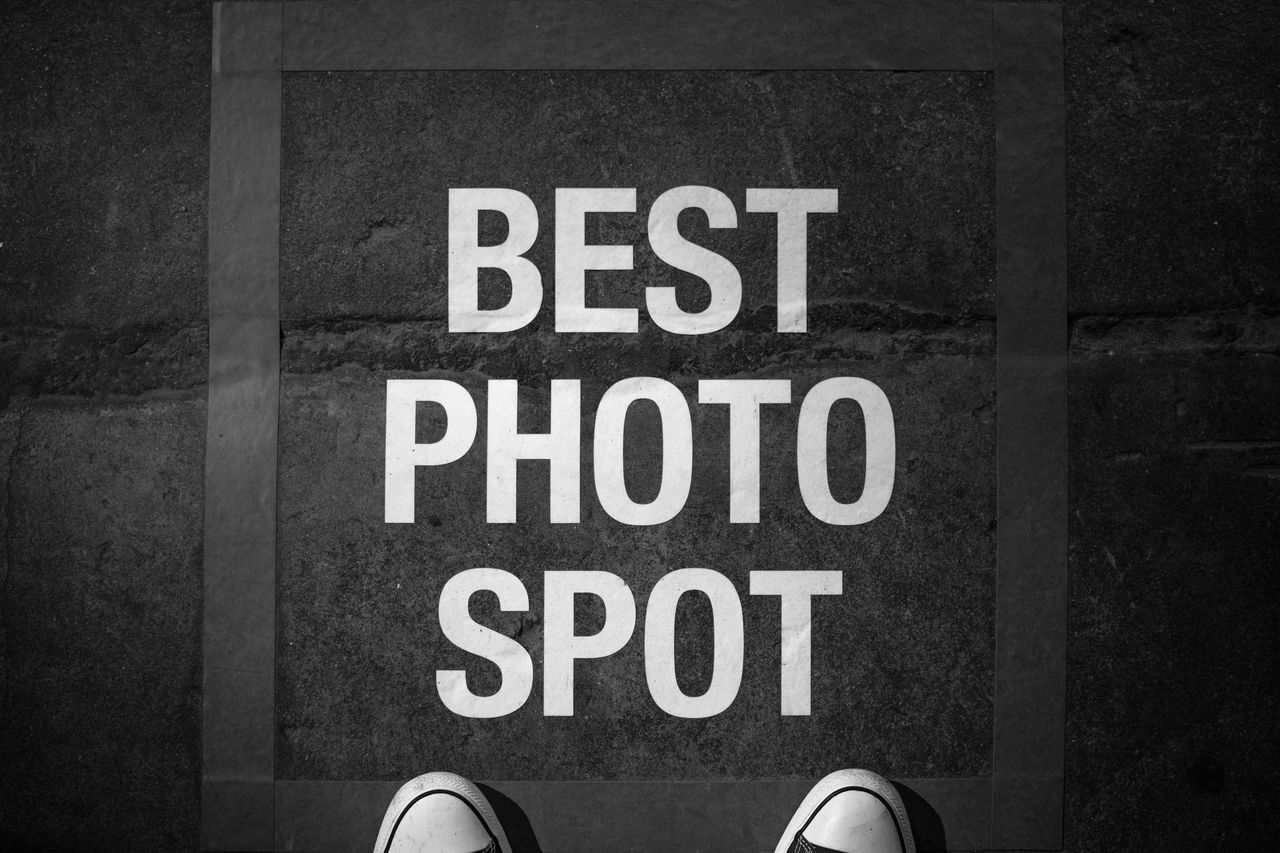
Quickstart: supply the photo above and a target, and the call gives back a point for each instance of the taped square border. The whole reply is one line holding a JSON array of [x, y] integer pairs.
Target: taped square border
[[1020, 806]]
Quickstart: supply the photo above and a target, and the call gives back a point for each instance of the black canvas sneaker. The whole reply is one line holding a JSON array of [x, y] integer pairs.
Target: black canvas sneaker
[[849, 811], [440, 813]]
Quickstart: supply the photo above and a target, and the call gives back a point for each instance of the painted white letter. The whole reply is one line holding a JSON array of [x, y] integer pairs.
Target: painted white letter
[[811, 450], [720, 275], [561, 447], [677, 451], [796, 589], [574, 257], [793, 207], [744, 398], [460, 629], [403, 453], [467, 256], [660, 643], [561, 646]]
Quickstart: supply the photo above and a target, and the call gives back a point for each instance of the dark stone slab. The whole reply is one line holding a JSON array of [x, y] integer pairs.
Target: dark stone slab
[[1175, 524], [1173, 180], [100, 713], [368, 160], [105, 150]]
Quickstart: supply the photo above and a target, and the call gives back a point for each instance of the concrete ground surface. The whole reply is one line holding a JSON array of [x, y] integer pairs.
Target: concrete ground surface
[[1173, 113]]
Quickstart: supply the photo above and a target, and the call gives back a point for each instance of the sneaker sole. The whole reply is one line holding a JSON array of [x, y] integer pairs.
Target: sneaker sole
[[428, 783], [849, 780]]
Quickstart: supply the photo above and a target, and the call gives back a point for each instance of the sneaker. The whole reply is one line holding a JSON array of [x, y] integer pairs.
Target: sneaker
[[849, 811], [440, 813]]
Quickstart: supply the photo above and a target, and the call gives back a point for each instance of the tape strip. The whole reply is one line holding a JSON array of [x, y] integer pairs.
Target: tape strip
[[243, 808], [238, 727], [1031, 423], [586, 817], [455, 34]]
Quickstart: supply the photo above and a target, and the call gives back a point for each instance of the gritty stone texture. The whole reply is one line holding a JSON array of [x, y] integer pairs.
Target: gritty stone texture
[[902, 660], [1207, 334], [421, 346], [369, 158], [90, 362], [100, 710]]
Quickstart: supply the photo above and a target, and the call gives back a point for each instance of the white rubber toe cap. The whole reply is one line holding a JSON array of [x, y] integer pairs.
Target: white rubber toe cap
[[854, 811], [440, 813], [854, 822]]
